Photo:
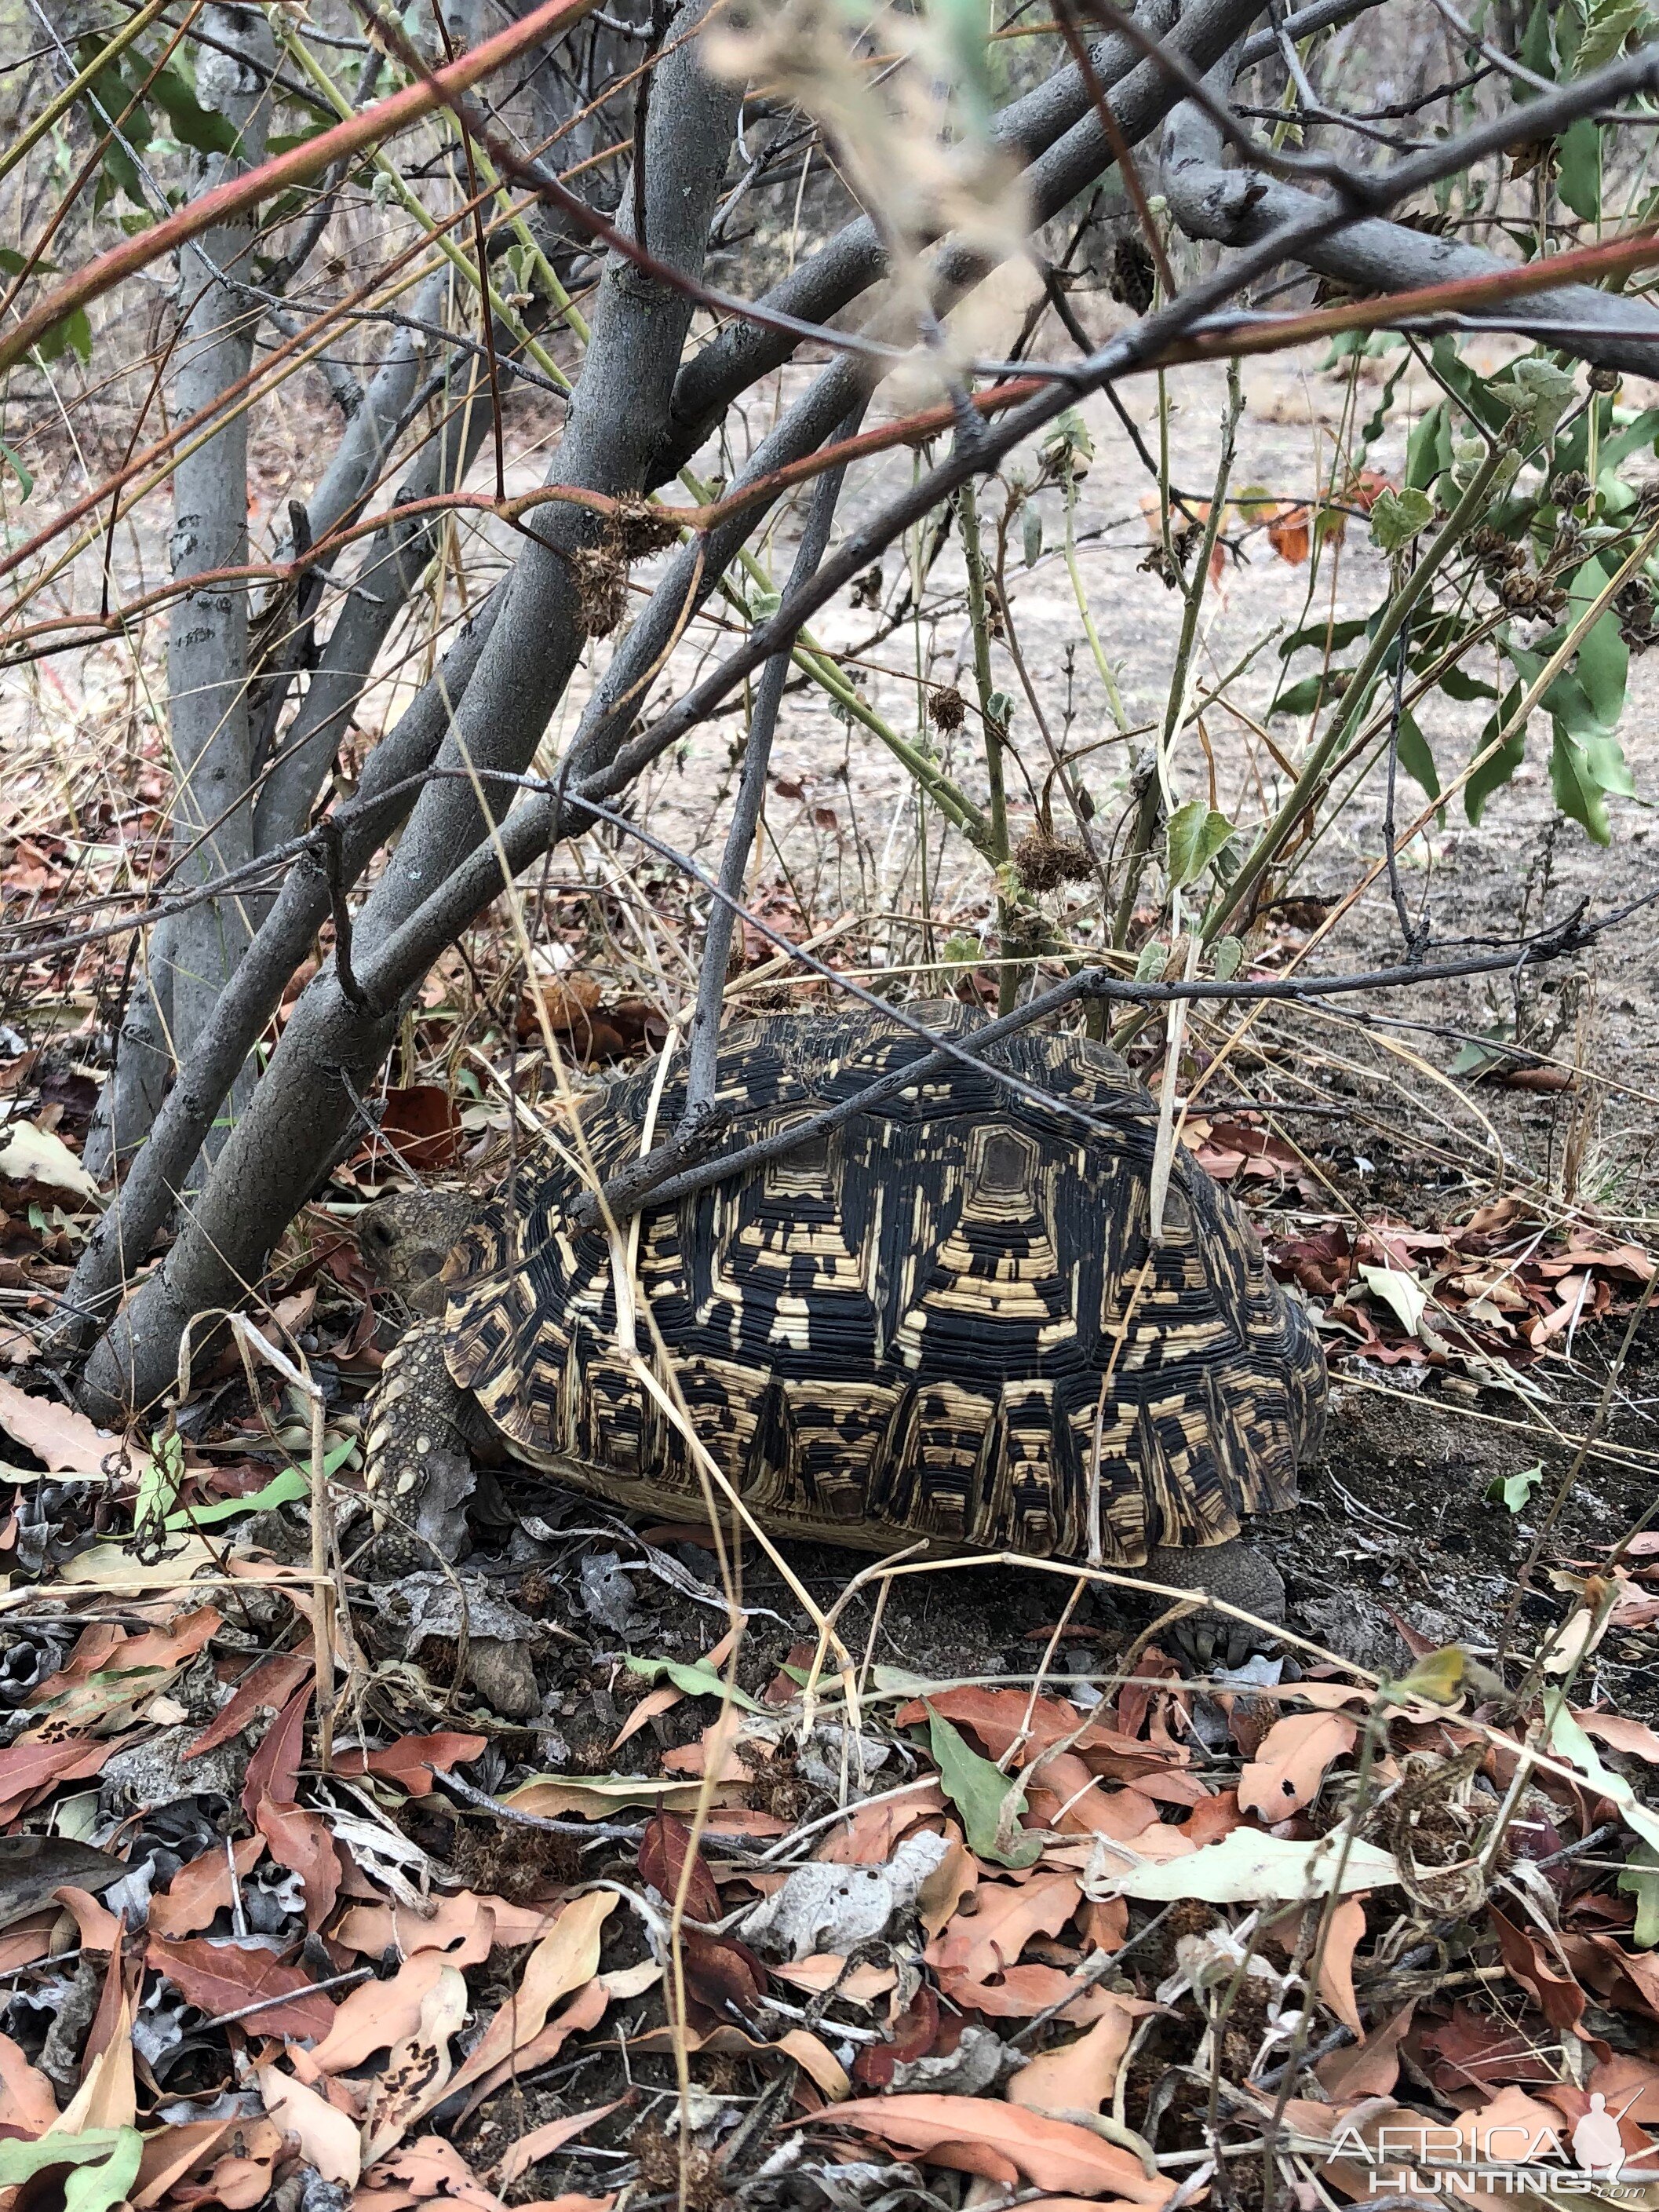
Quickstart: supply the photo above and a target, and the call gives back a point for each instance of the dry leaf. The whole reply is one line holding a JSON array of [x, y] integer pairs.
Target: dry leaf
[[562, 1961], [328, 2140], [29, 2105], [377, 2014], [1005, 2143], [585, 2010], [1077, 2077], [541, 2140], [29, 1154], [410, 1760], [417, 2074], [1290, 1762], [202, 1889], [221, 1977], [63, 1441], [108, 2095], [1369, 2069], [1342, 1939], [172, 2154], [1634, 1738]]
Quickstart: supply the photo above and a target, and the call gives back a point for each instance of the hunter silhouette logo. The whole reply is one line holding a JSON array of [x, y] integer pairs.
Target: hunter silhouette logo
[[1596, 2143]]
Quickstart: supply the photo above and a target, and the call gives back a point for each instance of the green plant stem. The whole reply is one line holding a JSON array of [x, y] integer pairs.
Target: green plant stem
[[980, 623], [1237, 894], [1153, 798], [1104, 668]]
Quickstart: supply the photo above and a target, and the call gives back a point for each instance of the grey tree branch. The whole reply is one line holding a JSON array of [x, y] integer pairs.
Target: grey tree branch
[[704, 1043], [208, 634], [278, 1149], [1240, 207]]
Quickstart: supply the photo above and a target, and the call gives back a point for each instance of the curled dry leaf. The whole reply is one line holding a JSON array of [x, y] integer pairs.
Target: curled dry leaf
[[410, 1760], [375, 2015]]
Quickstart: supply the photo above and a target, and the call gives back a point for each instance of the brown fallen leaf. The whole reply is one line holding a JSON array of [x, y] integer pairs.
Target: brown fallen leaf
[[464, 1928], [302, 1841], [29, 1769], [976, 1948], [1369, 2069], [541, 2141], [1006, 2143], [202, 1889], [410, 1760], [1079, 2076], [172, 2154], [564, 1960], [418, 2070], [1634, 1738], [221, 1977], [266, 1689], [63, 1441], [672, 1868], [329, 2140], [377, 2014], [586, 2009], [1291, 1764], [29, 2103]]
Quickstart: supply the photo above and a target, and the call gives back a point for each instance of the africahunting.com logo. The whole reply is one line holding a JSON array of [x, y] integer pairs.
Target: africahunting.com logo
[[1522, 2155]]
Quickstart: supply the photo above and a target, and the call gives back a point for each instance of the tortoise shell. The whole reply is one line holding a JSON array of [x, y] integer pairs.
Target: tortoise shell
[[946, 1319]]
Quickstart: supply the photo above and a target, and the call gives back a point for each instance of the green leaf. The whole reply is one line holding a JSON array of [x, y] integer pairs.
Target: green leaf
[[286, 1489], [1414, 755], [1538, 394], [1476, 1054], [1399, 516], [1456, 684], [202, 129], [10, 460], [1580, 771], [1535, 46], [763, 602], [696, 1680], [1515, 1491], [1069, 439], [1196, 834], [106, 2161], [1304, 697], [1495, 772], [1640, 1880], [1030, 533], [1580, 180], [963, 29], [1154, 958], [989, 1801], [1426, 459], [961, 951], [72, 333], [1330, 637], [1611, 23], [1602, 667], [1229, 958]]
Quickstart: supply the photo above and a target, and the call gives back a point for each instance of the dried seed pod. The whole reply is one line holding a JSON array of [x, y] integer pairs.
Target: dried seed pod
[[1569, 488], [947, 709], [1134, 277], [1043, 861], [1604, 379], [640, 528], [601, 581]]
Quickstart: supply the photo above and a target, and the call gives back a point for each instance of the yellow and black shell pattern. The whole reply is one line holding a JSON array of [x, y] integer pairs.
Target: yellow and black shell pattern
[[946, 1319]]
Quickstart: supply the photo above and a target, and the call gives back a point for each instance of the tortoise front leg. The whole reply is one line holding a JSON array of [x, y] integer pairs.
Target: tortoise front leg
[[416, 1458], [1234, 1571]]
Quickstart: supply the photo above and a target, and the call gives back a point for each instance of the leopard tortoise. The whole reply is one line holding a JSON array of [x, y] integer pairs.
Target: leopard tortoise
[[946, 1319]]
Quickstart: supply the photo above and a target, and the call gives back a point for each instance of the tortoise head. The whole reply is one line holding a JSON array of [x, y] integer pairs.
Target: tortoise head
[[404, 1240]]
